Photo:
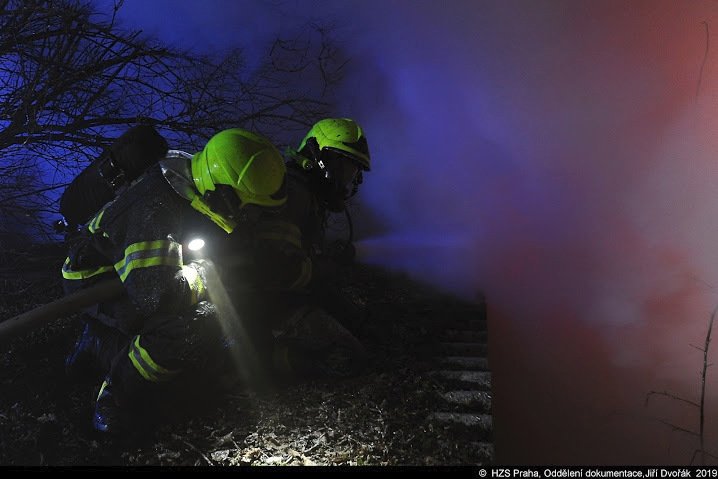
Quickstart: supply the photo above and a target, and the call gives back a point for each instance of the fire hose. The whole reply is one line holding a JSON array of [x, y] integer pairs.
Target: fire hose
[[29, 320]]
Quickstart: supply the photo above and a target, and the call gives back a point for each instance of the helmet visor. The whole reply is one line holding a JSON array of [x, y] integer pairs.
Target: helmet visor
[[342, 168]]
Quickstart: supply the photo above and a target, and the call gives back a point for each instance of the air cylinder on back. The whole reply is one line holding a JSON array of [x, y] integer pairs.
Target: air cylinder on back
[[126, 159]]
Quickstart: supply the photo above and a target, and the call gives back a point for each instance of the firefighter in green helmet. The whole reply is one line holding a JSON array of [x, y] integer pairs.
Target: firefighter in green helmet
[[332, 156], [322, 175], [175, 326]]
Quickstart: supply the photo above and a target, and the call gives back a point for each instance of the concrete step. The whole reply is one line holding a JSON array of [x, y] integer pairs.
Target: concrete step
[[465, 323], [477, 426], [473, 380], [468, 401], [465, 335], [465, 363], [464, 349]]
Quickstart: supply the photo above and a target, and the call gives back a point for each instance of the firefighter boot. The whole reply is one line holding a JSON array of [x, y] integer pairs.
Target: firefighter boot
[[93, 352], [82, 362], [108, 417]]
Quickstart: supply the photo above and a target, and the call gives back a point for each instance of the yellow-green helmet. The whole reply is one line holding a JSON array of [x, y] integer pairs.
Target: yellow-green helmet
[[247, 162], [342, 135]]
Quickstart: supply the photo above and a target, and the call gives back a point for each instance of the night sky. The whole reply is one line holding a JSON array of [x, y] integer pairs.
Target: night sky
[[557, 156]]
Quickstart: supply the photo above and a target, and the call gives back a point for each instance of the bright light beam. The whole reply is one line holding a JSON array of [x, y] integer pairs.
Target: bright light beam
[[196, 244]]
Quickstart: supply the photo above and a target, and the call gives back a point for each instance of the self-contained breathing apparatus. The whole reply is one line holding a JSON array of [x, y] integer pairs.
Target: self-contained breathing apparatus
[[123, 162]]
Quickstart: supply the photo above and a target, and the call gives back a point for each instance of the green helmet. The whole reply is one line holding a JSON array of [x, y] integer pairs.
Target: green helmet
[[247, 162], [342, 135]]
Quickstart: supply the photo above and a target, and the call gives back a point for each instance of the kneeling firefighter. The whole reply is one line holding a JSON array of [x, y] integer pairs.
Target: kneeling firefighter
[[322, 175], [175, 323]]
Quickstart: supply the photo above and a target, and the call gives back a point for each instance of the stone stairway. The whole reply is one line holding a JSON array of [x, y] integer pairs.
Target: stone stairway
[[464, 381]]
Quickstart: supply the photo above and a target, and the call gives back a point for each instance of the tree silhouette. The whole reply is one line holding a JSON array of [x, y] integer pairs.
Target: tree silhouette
[[71, 80]]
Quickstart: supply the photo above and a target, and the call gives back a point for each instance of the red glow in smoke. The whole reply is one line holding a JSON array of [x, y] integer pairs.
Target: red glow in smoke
[[585, 180]]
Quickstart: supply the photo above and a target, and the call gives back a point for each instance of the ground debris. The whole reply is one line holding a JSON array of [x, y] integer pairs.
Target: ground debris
[[378, 418]]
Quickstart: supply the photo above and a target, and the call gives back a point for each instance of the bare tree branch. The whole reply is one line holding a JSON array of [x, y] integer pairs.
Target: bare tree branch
[[703, 381], [695, 453], [71, 82], [705, 58], [672, 396], [676, 428], [701, 404]]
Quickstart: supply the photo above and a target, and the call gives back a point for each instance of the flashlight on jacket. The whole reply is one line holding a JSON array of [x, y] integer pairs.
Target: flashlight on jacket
[[196, 244]]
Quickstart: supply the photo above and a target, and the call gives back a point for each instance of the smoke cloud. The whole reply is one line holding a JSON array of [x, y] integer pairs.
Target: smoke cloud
[[558, 158]]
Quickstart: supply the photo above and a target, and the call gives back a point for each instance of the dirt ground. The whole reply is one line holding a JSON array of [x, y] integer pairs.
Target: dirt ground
[[378, 418]]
